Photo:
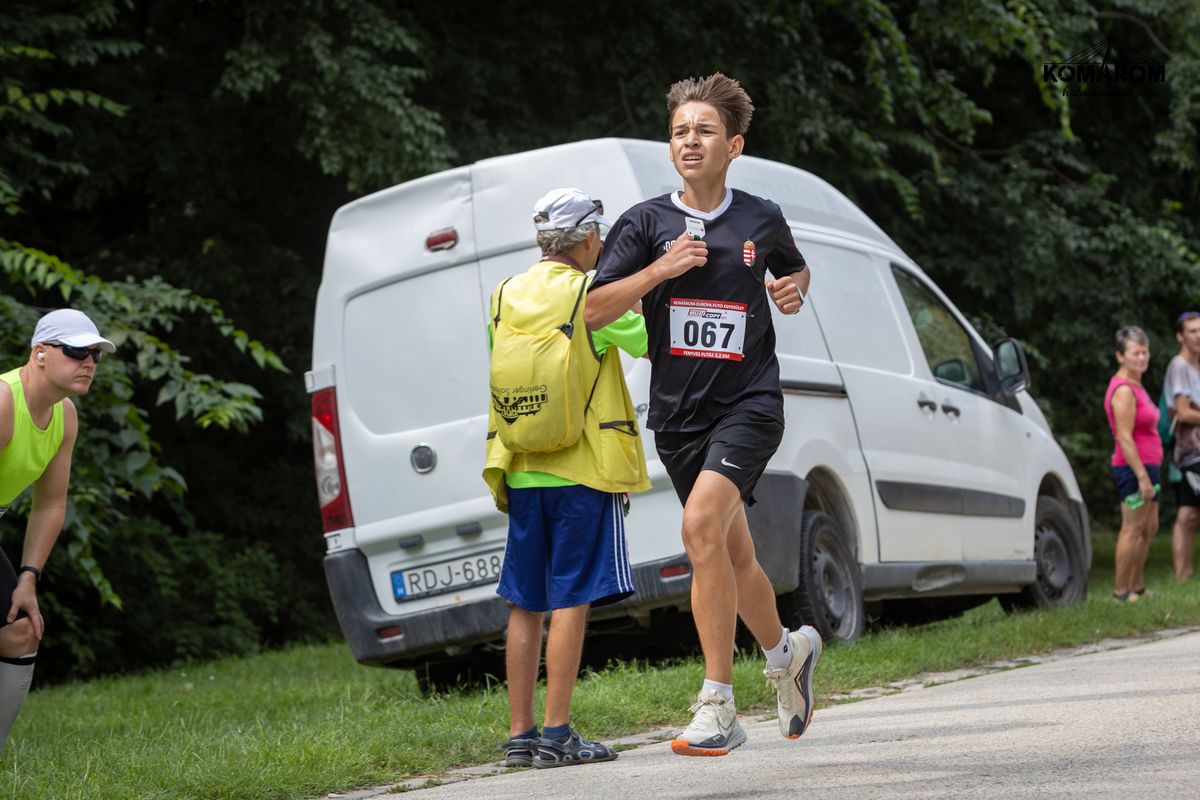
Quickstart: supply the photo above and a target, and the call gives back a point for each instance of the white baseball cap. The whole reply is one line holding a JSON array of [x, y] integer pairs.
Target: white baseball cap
[[567, 208], [72, 328]]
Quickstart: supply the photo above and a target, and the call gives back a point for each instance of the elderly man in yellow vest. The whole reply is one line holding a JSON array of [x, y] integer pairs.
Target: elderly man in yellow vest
[[37, 435], [566, 547]]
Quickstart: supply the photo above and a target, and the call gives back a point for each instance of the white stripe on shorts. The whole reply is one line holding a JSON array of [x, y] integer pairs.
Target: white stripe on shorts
[[620, 547], [616, 543], [625, 544]]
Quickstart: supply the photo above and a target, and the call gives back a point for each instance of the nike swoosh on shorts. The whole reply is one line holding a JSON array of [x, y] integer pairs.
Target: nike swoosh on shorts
[[726, 463]]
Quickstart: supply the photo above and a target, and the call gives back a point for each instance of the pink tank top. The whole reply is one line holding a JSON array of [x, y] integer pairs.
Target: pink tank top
[[1145, 426]]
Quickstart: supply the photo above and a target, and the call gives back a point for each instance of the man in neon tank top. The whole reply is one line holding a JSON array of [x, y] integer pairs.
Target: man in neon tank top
[[37, 435], [698, 259]]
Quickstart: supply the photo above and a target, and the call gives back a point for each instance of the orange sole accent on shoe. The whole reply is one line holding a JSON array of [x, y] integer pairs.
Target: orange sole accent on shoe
[[807, 725], [680, 747]]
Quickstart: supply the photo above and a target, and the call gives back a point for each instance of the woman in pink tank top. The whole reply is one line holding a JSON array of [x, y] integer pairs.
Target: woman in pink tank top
[[1137, 457]]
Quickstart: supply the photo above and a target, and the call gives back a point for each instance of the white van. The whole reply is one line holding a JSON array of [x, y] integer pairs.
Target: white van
[[914, 465]]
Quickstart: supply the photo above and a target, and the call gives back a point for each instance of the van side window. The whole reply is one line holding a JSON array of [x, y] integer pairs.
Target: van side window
[[946, 344]]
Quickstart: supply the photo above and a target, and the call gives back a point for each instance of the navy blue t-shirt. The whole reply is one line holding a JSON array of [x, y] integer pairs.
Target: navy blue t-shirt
[[712, 343]]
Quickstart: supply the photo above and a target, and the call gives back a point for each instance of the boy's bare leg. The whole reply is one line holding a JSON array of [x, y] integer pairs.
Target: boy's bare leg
[[711, 508], [756, 596], [522, 655], [564, 648]]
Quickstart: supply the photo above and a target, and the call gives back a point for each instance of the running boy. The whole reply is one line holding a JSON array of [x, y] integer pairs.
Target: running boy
[[698, 258]]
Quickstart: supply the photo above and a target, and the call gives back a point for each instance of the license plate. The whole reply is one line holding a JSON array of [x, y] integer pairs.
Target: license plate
[[447, 576]]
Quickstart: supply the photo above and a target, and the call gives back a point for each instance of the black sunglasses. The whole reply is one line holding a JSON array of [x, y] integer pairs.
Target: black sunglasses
[[597, 208], [79, 353]]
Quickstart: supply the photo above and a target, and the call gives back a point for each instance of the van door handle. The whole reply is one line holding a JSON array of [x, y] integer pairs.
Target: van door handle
[[927, 405], [951, 410]]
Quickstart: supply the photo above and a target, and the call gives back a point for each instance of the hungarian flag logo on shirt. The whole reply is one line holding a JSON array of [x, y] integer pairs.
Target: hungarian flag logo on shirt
[[748, 252]]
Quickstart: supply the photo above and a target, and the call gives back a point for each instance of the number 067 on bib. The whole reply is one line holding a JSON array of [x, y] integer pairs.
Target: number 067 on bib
[[707, 328]]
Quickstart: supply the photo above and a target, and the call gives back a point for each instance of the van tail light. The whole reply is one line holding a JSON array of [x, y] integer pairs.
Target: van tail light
[[332, 491], [675, 570], [443, 239]]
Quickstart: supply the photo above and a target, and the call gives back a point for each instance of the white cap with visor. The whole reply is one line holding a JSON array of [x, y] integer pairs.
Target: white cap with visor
[[559, 209], [72, 328]]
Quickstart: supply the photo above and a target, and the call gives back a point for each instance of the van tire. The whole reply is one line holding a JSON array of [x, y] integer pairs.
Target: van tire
[[1058, 553], [830, 595]]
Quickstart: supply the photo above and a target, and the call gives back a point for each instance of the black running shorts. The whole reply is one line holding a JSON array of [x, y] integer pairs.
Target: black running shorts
[[738, 446], [8, 585]]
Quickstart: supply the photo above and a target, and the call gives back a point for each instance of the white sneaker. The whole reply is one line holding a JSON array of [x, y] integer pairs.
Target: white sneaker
[[714, 730], [793, 684]]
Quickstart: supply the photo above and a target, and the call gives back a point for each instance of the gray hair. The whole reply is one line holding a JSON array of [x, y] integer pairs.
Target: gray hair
[[563, 240], [1131, 333]]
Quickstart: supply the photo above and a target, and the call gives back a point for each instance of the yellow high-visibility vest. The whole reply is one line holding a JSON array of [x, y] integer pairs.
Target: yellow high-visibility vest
[[608, 456]]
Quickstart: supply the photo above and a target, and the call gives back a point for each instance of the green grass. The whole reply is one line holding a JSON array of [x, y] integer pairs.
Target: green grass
[[308, 720]]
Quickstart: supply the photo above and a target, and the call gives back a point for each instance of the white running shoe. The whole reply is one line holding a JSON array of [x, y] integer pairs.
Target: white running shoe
[[714, 730], [793, 684]]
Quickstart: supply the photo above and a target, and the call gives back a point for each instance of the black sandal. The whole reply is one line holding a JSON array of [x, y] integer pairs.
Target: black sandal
[[518, 751]]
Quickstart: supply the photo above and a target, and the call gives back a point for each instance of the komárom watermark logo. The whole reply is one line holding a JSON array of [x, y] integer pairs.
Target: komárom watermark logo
[[1103, 70]]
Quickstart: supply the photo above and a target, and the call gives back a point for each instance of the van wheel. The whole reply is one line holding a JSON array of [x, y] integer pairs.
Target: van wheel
[[1059, 554], [830, 596]]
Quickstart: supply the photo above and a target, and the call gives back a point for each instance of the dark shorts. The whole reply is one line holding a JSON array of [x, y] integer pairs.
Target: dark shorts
[[566, 547], [1185, 495], [738, 446], [1127, 483], [8, 584]]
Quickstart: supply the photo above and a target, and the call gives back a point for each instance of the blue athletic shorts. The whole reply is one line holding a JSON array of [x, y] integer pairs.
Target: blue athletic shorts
[[566, 547]]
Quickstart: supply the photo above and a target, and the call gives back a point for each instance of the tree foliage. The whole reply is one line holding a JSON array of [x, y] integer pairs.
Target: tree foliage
[[167, 143], [1052, 218], [118, 469], [330, 61]]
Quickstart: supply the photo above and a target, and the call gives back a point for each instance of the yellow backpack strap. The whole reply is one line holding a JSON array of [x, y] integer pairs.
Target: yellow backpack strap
[[568, 327], [592, 393], [499, 299]]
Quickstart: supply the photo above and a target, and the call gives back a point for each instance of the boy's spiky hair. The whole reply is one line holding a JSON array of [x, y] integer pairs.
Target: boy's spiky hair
[[722, 93]]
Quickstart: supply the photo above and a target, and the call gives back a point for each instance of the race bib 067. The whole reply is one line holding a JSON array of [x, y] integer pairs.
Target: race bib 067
[[707, 329]]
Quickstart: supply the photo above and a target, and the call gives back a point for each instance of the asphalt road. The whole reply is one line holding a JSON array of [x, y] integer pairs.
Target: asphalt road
[[1118, 724]]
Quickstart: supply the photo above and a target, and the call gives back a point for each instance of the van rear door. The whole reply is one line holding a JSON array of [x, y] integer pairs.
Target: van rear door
[[411, 376]]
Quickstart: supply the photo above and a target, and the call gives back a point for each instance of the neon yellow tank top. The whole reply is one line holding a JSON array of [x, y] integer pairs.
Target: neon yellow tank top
[[24, 459]]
